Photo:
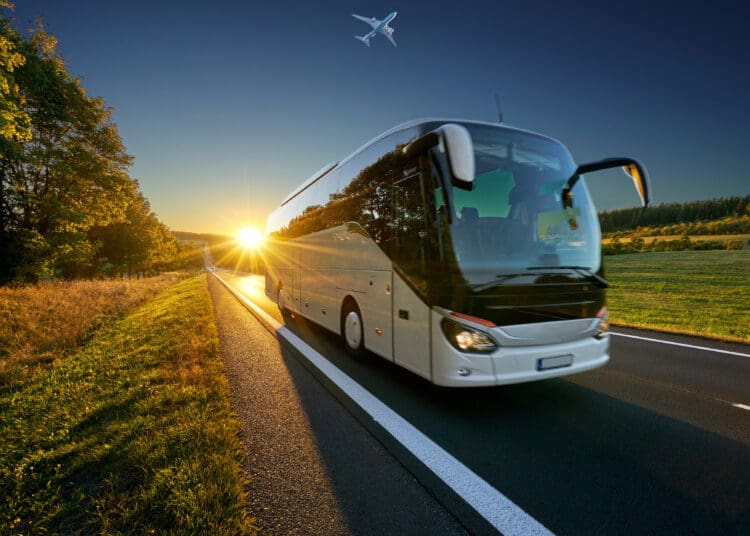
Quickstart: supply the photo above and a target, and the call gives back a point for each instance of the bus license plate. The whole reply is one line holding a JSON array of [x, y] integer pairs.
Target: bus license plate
[[554, 362]]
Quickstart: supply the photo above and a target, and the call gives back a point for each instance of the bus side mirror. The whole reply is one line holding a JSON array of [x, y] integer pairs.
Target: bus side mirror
[[455, 141], [634, 169], [460, 151], [638, 173]]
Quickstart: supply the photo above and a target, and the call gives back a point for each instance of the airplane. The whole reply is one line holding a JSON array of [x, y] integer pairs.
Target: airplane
[[378, 26]]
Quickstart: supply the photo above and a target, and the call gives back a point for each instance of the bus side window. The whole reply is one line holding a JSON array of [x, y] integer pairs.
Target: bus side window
[[410, 236], [437, 211]]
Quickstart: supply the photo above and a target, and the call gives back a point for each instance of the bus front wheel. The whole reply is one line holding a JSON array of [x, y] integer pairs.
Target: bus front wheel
[[352, 329]]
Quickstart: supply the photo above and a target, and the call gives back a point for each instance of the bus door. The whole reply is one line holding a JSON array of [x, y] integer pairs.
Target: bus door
[[411, 250]]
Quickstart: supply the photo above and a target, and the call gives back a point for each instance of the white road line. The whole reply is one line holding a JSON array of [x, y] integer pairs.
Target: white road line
[[742, 406], [502, 513], [706, 348]]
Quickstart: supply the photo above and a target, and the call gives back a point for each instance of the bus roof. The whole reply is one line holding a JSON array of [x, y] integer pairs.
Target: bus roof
[[426, 120], [403, 126], [318, 174]]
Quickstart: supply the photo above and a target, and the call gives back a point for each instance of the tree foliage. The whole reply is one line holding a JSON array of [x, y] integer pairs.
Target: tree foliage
[[684, 243], [668, 214], [68, 207], [14, 121]]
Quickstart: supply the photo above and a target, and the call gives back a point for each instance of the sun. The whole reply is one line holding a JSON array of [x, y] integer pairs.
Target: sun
[[250, 237]]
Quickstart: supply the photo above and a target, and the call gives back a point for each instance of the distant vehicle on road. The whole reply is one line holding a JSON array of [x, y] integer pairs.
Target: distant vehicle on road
[[466, 252]]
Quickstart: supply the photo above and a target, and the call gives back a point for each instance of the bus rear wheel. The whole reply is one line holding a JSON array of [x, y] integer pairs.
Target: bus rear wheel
[[352, 329], [286, 314]]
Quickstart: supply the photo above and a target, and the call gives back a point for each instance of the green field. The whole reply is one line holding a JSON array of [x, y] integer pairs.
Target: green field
[[129, 433], [703, 293]]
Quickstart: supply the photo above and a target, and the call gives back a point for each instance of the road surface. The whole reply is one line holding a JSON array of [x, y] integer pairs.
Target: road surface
[[656, 442]]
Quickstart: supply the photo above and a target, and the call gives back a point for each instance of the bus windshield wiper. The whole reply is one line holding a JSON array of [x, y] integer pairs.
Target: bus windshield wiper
[[501, 278], [580, 270]]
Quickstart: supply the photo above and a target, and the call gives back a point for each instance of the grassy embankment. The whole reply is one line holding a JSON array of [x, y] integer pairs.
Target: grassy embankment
[[114, 413], [704, 293]]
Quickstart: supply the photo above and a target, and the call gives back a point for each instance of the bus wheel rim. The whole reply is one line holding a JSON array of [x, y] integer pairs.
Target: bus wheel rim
[[353, 330]]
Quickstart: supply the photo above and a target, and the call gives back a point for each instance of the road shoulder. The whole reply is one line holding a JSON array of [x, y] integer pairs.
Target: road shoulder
[[315, 469]]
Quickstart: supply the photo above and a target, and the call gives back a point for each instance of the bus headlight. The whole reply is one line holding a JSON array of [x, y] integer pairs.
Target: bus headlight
[[467, 339]]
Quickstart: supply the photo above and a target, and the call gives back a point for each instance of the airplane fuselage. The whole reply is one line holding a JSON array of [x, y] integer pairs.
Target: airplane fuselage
[[378, 26], [385, 21]]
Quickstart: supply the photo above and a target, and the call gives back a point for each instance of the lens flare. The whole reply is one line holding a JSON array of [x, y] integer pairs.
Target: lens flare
[[250, 237]]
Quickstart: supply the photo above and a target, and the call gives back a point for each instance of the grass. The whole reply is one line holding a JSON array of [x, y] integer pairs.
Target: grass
[[131, 433], [43, 323], [704, 293]]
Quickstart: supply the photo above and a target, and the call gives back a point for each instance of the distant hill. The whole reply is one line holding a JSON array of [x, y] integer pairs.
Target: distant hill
[[185, 236]]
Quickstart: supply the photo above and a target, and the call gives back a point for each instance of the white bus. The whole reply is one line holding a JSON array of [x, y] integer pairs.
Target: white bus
[[466, 252]]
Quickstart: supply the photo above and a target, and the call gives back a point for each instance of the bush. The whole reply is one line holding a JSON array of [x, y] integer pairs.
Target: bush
[[638, 245]]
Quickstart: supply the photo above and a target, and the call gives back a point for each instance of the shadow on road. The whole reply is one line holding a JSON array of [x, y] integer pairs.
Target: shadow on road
[[577, 460]]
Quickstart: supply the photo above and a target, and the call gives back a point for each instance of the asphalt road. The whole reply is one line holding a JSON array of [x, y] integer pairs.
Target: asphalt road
[[314, 468], [656, 442]]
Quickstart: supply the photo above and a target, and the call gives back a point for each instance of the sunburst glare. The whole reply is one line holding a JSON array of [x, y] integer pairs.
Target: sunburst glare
[[250, 238]]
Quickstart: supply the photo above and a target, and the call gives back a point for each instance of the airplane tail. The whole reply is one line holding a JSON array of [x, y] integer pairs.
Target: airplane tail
[[364, 39]]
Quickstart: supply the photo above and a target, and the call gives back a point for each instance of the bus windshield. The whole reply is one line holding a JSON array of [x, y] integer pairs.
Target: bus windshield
[[518, 214]]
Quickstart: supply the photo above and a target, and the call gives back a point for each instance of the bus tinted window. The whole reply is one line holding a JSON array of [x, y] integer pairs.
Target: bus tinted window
[[489, 195], [328, 186], [368, 197], [357, 192], [410, 236]]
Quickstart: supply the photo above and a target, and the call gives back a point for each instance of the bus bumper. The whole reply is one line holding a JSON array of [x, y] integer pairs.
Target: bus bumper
[[515, 364]]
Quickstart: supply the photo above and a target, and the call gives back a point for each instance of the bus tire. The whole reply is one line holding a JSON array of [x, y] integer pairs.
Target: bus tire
[[352, 329]]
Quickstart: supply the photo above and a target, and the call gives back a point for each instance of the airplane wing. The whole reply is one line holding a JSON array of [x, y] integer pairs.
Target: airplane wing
[[364, 38], [389, 34], [372, 22]]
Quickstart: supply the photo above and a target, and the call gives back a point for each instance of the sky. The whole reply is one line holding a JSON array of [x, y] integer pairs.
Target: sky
[[227, 106]]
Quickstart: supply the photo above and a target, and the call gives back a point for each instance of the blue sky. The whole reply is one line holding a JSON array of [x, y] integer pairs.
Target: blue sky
[[228, 105]]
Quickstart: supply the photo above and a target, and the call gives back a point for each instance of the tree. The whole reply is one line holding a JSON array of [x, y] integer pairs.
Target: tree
[[674, 213], [64, 172], [140, 243], [14, 121]]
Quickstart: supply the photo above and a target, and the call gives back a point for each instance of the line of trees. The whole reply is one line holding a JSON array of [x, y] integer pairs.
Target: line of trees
[[639, 245], [731, 225], [68, 207], [674, 213]]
